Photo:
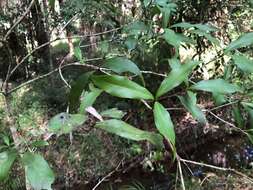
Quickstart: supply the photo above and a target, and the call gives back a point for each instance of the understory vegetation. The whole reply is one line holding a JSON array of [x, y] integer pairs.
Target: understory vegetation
[[126, 94]]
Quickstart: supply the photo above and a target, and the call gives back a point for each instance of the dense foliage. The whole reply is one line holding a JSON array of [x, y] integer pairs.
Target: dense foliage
[[145, 54]]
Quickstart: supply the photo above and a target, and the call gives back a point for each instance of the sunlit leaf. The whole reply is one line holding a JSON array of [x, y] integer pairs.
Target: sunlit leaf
[[121, 64], [243, 41], [176, 77], [125, 130], [37, 171], [121, 87], [78, 54], [39, 143], [113, 113], [203, 27], [6, 160], [244, 63], [190, 103], [89, 98], [219, 86], [64, 123], [163, 123]]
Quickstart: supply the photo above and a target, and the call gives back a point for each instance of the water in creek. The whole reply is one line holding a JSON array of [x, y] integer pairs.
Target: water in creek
[[231, 151]]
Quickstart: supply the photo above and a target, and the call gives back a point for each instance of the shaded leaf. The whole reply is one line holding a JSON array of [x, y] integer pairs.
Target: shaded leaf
[[37, 171], [121, 64], [163, 123], [121, 87], [190, 103], [219, 99], [202, 27], [242, 41], [131, 43], [176, 77], [175, 39], [64, 123], [136, 28], [125, 130], [39, 143], [6, 160], [113, 113], [238, 117], [77, 89], [78, 54], [219, 86], [243, 63]]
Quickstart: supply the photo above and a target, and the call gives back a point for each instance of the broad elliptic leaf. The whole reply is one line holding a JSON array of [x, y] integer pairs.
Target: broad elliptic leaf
[[174, 39], [113, 113], [77, 89], [163, 123], [190, 103], [121, 87], [37, 171], [219, 86], [176, 77], [244, 63], [125, 130], [64, 123], [202, 27], [242, 41], [6, 160], [89, 98], [121, 64], [219, 99]]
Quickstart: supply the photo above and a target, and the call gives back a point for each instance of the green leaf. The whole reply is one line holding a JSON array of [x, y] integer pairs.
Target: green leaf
[[136, 28], [6, 160], [77, 89], [125, 130], [113, 113], [242, 41], [190, 103], [249, 108], [89, 98], [78, 54], [219, 99], [207, 36], [167, 8], [52, 4], [6, 139], [219, 86], [121, 64], [37, 171], [178, 75], [104, 47], [39, 143], [202, 27], [163, 123], [121, 87], [131, 43], [244, 63], [238, 117], [174, 39], [64, 123], [146, 3]]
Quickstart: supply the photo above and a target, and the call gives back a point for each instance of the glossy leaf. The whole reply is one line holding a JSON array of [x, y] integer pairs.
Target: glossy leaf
[[6, 160], [113, 113], [125, 130], [243, 41], [190, 103], [37, 171], [121, 64], [77, 89], [89, 98], [64, 123], [163, 123], [178, 75], [244, 63], [121, 87], [219, 86]]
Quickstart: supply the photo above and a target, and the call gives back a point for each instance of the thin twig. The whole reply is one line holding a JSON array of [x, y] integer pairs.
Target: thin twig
[[108, 175], [60, 72], [181, 173], [19, 20]]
